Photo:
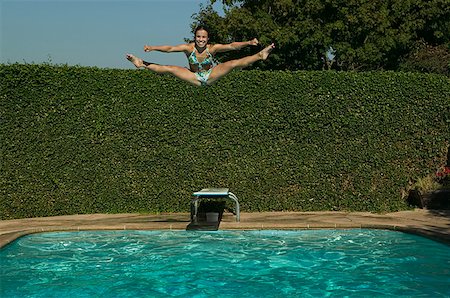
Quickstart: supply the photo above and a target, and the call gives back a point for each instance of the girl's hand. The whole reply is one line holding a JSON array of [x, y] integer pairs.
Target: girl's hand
[[254, 42], [147, 48]]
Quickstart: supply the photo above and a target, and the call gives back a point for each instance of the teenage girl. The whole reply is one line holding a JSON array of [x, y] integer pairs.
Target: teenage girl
[[202, 68]]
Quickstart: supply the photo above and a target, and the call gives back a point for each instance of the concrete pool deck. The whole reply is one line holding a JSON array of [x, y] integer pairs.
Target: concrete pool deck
[[434, 224]]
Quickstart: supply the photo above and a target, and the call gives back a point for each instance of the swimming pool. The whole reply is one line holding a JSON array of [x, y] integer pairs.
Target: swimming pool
[[271, 263]]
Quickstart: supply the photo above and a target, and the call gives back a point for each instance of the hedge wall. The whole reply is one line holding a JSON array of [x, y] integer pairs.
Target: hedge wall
[[88, 140]]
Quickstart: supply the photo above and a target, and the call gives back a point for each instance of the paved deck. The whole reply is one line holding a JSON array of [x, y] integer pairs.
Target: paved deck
[[433, 224]]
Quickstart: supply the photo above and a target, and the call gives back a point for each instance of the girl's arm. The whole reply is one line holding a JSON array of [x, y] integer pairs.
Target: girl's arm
[[168, 49], [217, 48]]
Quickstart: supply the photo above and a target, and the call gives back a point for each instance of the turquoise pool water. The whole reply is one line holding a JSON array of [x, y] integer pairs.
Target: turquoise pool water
[[353, 263]]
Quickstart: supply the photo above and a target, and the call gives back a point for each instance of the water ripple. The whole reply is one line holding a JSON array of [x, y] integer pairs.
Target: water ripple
[[351, 263]]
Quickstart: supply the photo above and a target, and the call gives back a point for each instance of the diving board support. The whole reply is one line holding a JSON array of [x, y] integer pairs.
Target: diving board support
[[214, 193]]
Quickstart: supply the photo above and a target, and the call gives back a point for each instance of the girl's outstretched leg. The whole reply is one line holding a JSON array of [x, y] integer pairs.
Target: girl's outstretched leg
[[226, 67], [177, 71]]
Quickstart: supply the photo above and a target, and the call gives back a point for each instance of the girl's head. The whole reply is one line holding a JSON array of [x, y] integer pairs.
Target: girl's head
[[201, 36]]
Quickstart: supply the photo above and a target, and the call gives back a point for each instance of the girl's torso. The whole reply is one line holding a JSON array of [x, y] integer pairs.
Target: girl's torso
[[200, 61]]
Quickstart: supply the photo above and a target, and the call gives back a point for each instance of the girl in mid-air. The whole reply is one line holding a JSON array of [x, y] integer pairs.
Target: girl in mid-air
[[202, 68]]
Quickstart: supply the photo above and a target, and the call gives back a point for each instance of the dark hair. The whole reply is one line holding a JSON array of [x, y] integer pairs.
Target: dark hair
[[201, 27]]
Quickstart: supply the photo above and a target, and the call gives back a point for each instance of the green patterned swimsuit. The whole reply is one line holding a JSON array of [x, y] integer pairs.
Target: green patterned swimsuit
[[204, 68]]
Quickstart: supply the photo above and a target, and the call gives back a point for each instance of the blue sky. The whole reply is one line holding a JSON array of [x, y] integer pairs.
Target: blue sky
[[93, 33]]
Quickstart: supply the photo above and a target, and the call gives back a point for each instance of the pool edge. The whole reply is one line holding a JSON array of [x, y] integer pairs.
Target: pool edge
[[432, 225]]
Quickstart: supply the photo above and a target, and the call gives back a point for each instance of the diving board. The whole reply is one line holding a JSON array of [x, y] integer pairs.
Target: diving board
[[213, 193]]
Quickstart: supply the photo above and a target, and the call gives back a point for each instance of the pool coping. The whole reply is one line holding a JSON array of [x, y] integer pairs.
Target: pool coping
[[433, 224]]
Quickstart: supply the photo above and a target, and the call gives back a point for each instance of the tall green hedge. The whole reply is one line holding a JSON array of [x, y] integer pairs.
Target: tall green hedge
[[88, 140]]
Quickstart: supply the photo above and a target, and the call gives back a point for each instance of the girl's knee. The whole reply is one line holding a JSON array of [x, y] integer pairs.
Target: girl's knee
[[170, 68], [232, 64], [173, 69]]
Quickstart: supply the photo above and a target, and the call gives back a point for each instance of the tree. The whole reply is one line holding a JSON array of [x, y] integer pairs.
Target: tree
[[428, 59], [361, 34]]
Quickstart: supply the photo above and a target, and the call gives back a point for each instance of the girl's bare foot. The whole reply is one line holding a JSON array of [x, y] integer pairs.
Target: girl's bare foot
[[266, 51], [138, 62]]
